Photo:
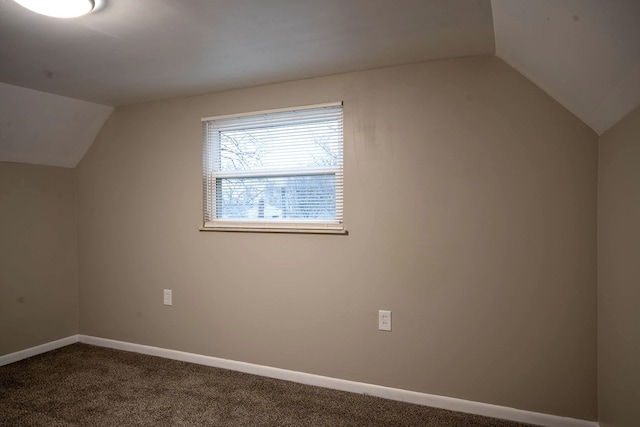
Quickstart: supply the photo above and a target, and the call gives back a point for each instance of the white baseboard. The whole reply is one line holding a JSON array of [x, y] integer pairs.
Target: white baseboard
[[425, 399], [39, 349], [442, 402]]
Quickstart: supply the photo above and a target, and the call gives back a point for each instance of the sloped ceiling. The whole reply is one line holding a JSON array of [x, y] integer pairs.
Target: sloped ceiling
[[584, 53], [41, 128]]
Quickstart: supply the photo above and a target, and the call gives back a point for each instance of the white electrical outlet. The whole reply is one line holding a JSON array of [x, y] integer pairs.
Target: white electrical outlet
[[384, 320], [167, 297]]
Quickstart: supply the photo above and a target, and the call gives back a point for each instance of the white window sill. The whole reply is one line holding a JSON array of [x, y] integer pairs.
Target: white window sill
[[277, 230]]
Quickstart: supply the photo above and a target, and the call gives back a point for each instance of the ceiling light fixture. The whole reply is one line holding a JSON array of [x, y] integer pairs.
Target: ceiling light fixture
[[59, 8]]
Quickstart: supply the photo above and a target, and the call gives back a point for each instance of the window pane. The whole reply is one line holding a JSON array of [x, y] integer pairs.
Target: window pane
[[277, 198], [284, 146]]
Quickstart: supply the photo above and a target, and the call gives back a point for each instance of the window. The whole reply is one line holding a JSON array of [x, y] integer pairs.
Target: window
[[277, 170]]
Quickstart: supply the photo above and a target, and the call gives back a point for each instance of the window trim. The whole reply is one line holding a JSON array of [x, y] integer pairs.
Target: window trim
[[257, 229], [273, 226], [273, 111]]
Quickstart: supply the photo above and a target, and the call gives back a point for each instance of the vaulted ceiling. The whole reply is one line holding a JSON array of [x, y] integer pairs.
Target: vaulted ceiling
[[584, 53], [59, 79]]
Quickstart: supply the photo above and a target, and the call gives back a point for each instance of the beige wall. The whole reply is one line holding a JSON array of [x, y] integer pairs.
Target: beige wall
[[38, 256], [470, 198], [619, 274]]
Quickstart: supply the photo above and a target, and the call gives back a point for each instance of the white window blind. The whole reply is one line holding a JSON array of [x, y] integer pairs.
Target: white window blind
[[280, 169]]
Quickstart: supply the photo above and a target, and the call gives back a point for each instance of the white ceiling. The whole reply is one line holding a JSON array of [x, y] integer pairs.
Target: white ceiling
[[584, 53], [41, 128], [131, 52]]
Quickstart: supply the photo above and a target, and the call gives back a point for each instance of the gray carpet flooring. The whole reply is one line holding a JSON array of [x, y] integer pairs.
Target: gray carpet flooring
[[83, 385]]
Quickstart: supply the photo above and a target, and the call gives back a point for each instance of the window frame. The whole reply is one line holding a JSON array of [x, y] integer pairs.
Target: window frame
[[211, 155]]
